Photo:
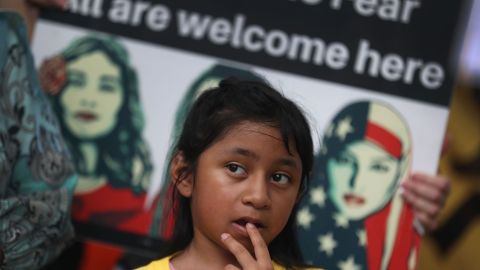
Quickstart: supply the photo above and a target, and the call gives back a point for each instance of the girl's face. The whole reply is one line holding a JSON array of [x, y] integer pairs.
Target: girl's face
[[93, 96], [361, 179], [247, 176]]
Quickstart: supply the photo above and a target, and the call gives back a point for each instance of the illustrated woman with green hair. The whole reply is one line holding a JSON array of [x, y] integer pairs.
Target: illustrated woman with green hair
[[207, 80], [94, 91]]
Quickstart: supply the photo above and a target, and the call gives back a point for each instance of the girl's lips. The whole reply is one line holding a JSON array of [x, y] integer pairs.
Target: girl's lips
[[244, 220], [240, 224], [240, 230], [86, 116], [353, 200]]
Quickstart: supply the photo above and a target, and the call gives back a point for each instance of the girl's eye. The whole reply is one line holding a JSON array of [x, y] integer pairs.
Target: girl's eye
[[236, 169], [281, 178]]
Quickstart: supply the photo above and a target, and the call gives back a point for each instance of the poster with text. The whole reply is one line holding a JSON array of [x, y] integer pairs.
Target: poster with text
[[374, 77]]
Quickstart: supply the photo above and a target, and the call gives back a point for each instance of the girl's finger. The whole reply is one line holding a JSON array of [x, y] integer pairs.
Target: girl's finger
[[244, 257], [231, 267], [261, 250]]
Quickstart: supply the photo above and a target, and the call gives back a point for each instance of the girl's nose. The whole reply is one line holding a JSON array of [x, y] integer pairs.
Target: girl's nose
[[256, 193]]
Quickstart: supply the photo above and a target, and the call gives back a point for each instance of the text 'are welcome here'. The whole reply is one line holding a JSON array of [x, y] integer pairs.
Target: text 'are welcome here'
[[237, 33]]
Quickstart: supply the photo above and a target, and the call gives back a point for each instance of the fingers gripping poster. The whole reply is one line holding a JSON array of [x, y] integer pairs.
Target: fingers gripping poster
[[374, 77]]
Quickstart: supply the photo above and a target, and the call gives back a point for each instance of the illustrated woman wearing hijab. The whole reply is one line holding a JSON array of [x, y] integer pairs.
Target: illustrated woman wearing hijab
[[94, 91], [354, 216]]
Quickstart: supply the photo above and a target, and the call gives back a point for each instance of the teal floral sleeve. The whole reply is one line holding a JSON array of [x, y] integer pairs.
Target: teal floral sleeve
[[36, 174]]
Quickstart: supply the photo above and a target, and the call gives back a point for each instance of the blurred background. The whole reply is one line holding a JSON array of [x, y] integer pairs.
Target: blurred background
[[454, 245]]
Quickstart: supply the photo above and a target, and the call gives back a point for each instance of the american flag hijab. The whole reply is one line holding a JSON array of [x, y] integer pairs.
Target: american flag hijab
[[352, 217]]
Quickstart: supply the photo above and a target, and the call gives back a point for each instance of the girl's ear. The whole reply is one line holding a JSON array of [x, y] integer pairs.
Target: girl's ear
[[181, 176]]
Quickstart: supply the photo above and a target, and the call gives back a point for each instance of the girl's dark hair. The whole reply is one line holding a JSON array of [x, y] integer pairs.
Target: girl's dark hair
[[120, 146], [213, 114]]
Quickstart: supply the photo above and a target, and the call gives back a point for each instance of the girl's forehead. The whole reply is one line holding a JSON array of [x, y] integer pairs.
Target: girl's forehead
[[255, 128], [262, 130]]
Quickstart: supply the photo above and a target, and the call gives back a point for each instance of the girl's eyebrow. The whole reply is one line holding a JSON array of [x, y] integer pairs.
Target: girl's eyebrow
[[244, 152], [290, 162]]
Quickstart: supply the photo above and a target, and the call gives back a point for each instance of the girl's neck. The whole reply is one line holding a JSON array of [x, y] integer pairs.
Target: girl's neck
[[202, 253]]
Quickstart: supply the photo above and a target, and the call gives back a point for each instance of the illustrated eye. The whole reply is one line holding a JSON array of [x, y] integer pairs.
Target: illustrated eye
[[281, 178], [77, 81], [106, 87], [379, 167], [236, 169], [344, 160]]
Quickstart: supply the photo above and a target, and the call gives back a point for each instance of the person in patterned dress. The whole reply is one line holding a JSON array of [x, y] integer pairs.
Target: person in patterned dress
[[37, 178]]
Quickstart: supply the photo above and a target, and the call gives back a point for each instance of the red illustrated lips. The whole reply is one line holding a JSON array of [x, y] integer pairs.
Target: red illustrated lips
[[352, 199], [86, 116]]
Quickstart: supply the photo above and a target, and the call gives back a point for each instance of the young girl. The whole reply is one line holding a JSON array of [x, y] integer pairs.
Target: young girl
[[206, 80], [238, 170]]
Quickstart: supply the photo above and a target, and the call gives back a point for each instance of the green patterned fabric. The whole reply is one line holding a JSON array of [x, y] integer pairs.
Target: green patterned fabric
[[36, 174]]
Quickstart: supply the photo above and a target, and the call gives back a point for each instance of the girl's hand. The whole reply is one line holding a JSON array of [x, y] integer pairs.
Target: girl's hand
[[261, 261], [427, 195]]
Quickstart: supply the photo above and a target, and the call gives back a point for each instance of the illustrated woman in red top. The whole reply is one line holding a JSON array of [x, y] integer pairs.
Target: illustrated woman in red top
[[94, 90]]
